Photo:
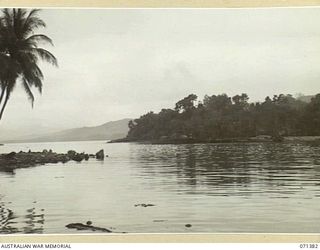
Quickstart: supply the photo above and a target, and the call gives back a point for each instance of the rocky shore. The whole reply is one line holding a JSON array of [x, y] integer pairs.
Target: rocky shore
[[13, 160]]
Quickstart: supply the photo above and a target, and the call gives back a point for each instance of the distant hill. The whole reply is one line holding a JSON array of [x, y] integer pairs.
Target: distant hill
[[107, 131]]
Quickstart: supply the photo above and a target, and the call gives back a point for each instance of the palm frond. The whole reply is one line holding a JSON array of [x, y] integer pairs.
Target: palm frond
[[45, 56], [20, 52], [10, 85], [28, 90], [18, 21], [34, 70], [34, 40], [9, 69], [31, 71], [32, 22], [33, 13], [33, 80], [7, 18]]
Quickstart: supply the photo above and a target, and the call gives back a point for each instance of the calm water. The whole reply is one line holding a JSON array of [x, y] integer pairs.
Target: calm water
[[214, 187]]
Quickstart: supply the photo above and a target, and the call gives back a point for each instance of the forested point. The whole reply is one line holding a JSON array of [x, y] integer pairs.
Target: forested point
[[222, 117]]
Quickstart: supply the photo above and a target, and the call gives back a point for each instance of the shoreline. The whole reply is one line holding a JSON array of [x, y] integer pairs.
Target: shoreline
[[269, 139]]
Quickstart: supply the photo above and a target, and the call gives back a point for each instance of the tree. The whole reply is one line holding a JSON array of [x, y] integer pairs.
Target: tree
[[222, 117], [20, 53], [310, 119], [241, 101], [219, 103], [186, 104]]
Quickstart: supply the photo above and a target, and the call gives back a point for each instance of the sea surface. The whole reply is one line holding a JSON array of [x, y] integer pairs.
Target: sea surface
[[216, 188]]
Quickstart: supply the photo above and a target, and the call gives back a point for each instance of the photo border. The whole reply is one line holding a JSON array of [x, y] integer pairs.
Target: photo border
[[159, 3]]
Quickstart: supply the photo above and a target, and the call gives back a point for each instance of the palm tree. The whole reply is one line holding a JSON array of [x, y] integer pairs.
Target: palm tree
[[20, 52]]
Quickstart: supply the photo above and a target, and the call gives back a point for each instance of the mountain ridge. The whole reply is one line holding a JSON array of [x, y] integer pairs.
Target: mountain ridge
[[107, 131]]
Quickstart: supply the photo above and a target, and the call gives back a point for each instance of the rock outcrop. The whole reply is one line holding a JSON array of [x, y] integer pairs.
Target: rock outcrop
[[100, 155], [13, 160]]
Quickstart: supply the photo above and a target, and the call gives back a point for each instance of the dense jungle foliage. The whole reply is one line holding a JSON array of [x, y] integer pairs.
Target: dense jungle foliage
[[221, 116]]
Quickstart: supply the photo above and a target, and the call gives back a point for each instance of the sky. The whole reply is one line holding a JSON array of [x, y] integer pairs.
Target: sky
[[122, 63]]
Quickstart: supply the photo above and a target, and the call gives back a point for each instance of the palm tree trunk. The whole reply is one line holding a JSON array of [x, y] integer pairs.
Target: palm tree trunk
[[2, 94], [3, 91], [5, 101]]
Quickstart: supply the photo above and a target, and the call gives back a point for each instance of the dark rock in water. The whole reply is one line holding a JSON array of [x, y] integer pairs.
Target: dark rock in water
[[89, 223], [100, 155], [71, 153], [144, 205], [13, 160], [159, 220], [64, 158], [10, 155], [188, 225], [78, 157], [80, 226]]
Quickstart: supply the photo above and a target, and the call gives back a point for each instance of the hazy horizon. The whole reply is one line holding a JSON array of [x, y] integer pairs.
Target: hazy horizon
[[120, 63]]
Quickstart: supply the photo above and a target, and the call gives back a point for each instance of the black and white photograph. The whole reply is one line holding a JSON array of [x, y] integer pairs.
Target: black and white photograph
[[165, 120]]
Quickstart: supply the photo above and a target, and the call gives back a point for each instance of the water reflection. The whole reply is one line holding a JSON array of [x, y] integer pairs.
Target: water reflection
[[7, 171], [7, 220], [233, 169], [31, 222], [34, 221]]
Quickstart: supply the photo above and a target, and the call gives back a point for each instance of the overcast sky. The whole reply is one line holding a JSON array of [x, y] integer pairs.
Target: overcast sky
[[122, 63]]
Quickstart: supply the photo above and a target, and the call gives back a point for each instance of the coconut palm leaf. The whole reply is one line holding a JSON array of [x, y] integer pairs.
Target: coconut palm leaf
[[7, 18], [18, 15], [34, 40], [32, 22], [34, 76], [20, 52], [27, 89], [45, 56]]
